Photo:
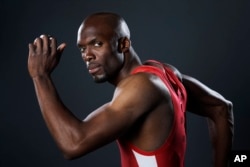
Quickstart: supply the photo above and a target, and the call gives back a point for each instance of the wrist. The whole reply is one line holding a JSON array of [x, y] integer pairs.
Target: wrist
[[41, 77]]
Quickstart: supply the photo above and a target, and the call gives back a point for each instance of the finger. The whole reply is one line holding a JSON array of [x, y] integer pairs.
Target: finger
[[60, 49], [31, 49], [38, 44], [53, 45], [46, 43]]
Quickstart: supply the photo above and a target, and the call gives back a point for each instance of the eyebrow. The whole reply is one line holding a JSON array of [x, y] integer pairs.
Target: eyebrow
[[92, 41]]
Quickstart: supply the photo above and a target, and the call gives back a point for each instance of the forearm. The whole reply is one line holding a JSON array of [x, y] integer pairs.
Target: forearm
[[66, 129], [221, 130], [62, 124]]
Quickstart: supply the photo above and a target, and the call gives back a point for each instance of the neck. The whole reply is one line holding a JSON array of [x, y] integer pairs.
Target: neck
[[131, 61]]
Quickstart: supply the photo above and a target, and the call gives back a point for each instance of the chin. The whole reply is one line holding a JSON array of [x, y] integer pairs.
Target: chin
[[100, 78]]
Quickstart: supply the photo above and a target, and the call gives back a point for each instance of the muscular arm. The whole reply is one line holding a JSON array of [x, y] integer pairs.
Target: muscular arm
[[219, 111], [73, 136], [76, 138]]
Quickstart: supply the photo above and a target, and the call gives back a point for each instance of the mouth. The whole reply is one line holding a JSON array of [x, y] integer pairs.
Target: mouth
[[93, 67]]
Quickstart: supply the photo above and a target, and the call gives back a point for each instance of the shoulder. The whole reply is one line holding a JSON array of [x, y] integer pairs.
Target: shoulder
[[139, 79], [138, 94], [144, 87], [136, 84]]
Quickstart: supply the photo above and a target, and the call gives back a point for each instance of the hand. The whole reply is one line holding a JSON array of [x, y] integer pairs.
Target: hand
[[44, 55]]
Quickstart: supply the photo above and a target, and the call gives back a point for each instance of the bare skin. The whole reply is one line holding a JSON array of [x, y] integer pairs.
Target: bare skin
[[104, 42]]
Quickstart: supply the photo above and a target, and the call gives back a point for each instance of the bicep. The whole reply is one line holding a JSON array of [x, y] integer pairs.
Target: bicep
[[99, 128], [104, 125], [129, 103]]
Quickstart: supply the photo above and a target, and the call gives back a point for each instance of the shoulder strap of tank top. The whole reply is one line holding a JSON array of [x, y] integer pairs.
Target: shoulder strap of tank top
[[173, 79]]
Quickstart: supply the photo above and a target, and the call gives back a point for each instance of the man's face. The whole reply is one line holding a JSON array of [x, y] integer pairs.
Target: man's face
[[99, 47]]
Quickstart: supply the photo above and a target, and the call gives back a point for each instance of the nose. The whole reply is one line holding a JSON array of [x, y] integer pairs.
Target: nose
[[87, 55]]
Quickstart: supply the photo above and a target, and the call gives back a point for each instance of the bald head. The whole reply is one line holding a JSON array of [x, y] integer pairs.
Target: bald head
[[104, 42], [109, 20]]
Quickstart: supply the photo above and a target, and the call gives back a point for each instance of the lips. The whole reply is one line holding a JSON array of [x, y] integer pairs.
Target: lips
[[93, 67]]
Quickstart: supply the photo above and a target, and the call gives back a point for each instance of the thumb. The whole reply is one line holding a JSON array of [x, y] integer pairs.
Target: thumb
[[61, 48]]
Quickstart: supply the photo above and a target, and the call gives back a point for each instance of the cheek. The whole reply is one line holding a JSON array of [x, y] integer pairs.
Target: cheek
[[111, 59], [114, 63], [117, 58]]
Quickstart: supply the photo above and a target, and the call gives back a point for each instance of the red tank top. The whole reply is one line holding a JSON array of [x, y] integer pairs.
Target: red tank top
[[172, 152]]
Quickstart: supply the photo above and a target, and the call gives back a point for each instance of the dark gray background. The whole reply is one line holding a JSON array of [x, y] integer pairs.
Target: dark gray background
[[206, 39]]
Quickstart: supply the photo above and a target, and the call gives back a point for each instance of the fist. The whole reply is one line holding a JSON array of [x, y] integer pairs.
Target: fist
[[44, 55]]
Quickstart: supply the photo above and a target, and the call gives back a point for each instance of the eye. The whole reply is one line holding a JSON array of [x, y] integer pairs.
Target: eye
[[98, 44], [82, 50]]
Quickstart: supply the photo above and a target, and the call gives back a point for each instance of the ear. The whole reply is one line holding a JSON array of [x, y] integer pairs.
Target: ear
[[124, 44]]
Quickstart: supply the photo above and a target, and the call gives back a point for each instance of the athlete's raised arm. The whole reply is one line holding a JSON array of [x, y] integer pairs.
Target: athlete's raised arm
[[76, 137]]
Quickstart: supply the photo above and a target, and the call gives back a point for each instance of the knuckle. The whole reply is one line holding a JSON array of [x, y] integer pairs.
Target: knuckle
[[37, 40], [46, 52], [53, 53], [32, 54]]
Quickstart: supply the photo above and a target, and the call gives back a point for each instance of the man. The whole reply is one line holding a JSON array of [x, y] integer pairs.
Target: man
[[147, 112]]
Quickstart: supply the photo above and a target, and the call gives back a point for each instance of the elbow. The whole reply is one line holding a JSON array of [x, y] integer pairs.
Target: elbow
[[71, 153], [225, 110], [225, 118], [69, 156], [222, 111], [229, 109], [230, 115], [225, 114]]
